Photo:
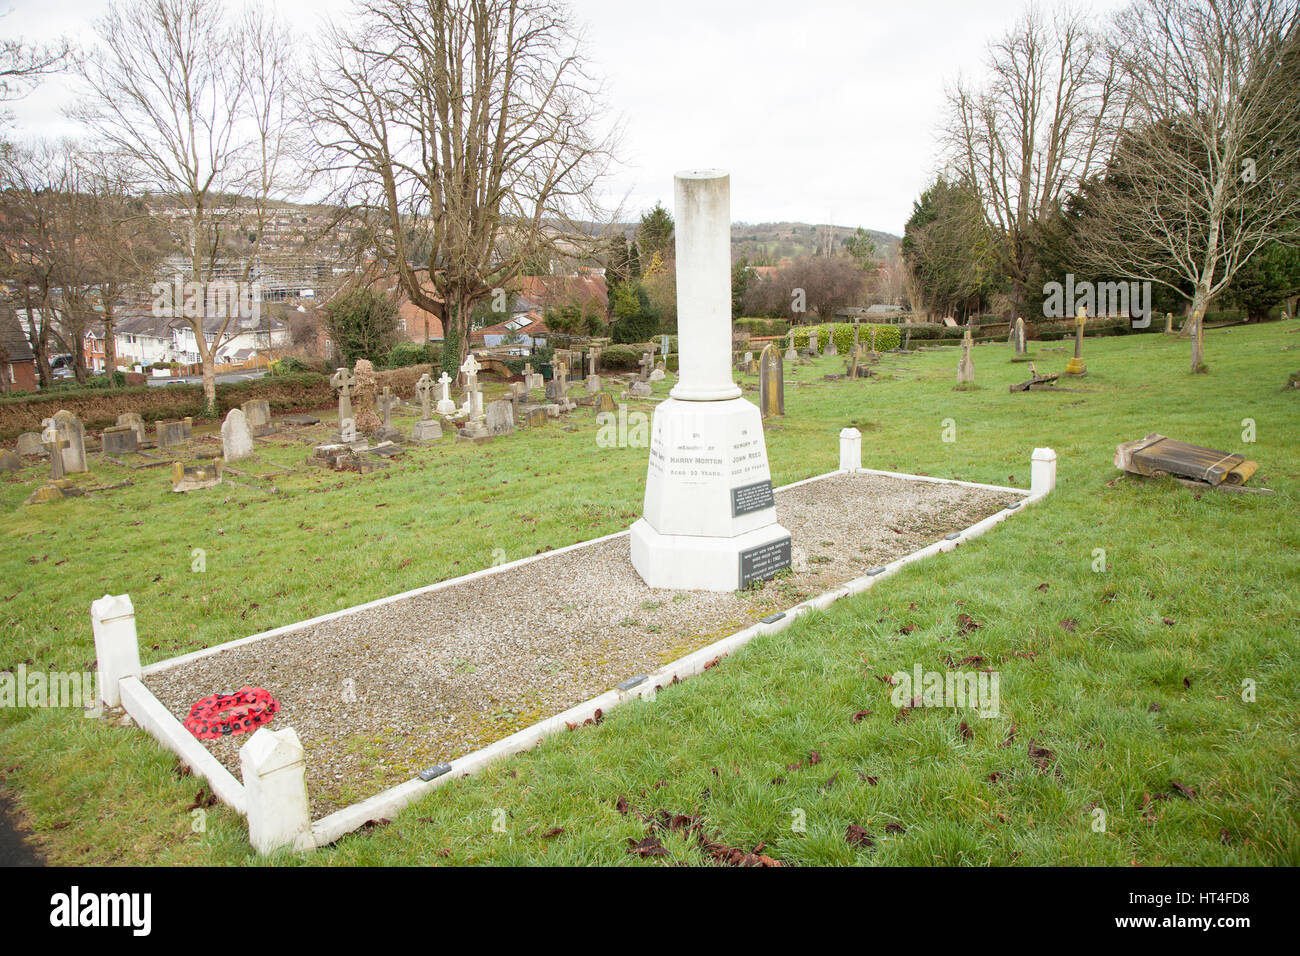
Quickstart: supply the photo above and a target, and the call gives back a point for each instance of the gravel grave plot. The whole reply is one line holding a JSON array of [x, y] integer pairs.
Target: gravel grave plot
[[379, 695]]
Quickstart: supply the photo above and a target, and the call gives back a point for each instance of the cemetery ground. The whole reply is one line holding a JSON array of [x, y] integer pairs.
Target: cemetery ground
[[1121, 688]]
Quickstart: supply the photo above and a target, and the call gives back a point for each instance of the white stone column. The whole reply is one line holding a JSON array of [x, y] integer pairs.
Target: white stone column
[[274, 767], [850, 449], [117, 648], [1042, 471], [703, 235]]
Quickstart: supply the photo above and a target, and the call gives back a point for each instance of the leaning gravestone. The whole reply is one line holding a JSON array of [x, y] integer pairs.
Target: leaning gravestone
[[236, 436], [119, 440], [500, 417], [771, 382], [29, 443], [73, 433]]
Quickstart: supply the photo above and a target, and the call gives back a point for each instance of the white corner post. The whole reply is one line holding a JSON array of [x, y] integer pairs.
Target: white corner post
[[117, 648], [1042, 471], [709, 521], [274, 767], [850, 449]]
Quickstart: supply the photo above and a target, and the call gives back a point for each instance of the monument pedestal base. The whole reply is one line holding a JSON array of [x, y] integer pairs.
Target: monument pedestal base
[[710, 517], [686, 562]]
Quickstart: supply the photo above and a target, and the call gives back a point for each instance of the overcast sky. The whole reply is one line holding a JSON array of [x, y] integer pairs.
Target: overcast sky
[[821, 111]]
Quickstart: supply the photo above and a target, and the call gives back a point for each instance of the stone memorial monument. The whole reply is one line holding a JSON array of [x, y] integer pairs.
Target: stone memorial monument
[[1075, 366], [446, 404], [709, 521], [427, 428], [965, 365], [771, 382]]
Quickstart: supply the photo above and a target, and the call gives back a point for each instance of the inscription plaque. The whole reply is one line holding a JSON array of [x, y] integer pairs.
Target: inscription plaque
[[753, 497], [759, 564]]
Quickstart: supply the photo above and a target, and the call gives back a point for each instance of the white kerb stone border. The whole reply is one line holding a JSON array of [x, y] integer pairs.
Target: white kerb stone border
[[273, 793]]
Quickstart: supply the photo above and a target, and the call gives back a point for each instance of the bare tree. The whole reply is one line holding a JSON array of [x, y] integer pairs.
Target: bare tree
[[1038, 129], [1209, 172], [23, 64], [464, 130], [193, 100]]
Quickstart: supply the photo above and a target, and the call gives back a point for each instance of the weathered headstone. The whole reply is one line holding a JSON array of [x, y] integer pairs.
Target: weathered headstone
[[658, 374], [640, 389], [605, 403], [257, 413], [1018, 336], [536, 416], [812, 349], [174, 432], [135, 421], [790, 354], [771, 382], [29, 443], [193, 477], [1169, 323], [831, 347], [119, 440], [500, 418], [593, 384], [386, 431], [646, 363], [966, 365], [54, 446], [236, 436], [9, 461], [72, 440]]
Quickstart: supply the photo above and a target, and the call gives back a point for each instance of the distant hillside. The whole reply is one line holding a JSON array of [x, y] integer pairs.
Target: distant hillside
[[766, 243]]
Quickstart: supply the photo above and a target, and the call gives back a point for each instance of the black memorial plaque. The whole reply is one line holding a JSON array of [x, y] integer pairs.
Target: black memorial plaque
[[753, 497], [759, 564]]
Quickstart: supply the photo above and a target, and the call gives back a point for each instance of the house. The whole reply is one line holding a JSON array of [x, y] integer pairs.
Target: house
[[585, 290], [254, 335], [524, 329], [142, 338], [17, 361], [92, 348]]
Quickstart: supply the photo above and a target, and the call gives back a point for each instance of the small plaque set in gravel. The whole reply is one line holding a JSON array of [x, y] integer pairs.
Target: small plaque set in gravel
[[753, 497], [759, 564]]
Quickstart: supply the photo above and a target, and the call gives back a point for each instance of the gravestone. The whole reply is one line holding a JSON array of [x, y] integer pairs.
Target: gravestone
[[29, 443], [119, 440], [593, 360], [344, 380], [658, 374], [348, 431], [1169, 323], [473, 407], [1018, 337], [9, 461], [386, 431], [646, 363], [593, 384], [790, 354], [812, 349], [709, 519], [831, 347], [1075, 366], [966, 365], [193, 477], [135, 421], [907, 339], [72, 442], [257, 414], [446, 404], [536, 415], [605, 403], [427, 428], [641, 389], [236, 436], [54, 446], [500, 418], [174, 432], [771, 382]]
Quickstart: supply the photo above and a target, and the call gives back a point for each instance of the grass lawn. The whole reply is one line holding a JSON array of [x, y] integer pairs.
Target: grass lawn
[[1131, 676]]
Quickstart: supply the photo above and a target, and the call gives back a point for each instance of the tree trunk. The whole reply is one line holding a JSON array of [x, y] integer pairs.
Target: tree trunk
[[1195, 328], [110, 345]]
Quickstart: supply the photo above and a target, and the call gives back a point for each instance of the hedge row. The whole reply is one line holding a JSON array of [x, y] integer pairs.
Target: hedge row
[[886, 336], [761, 326]]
